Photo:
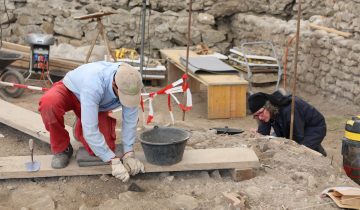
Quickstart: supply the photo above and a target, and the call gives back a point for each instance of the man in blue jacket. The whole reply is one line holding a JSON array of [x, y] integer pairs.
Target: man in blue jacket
[[274, 111], [91, 91]]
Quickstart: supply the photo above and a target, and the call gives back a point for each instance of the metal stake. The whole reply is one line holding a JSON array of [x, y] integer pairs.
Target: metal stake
[[143, 15], [187, 48], [295, 71]]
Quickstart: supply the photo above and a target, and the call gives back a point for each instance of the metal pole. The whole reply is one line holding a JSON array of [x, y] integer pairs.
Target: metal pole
[[188, 46], [295, 71], [143, 15]]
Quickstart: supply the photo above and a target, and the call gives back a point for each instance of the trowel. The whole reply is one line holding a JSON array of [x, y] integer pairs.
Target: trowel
[[33, 165]]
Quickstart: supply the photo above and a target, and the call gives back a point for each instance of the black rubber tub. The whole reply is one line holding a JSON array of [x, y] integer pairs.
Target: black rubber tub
[[164, 146]]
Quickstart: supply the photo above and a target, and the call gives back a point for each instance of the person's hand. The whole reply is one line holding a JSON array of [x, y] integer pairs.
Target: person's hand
[[254, 133], [253, 130], [118, 170], [133, 165]]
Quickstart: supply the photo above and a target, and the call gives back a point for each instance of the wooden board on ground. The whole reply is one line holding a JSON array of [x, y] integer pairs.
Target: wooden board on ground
[[200, 159], [27, 121]]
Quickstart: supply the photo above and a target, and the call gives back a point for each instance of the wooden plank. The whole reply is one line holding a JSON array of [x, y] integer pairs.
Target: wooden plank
[[330, 30], [256, 57], [223, 79], [238, 101], [27, 121], [243, 63], [219, 99], [179, 68], [94, 15], [174, 73], [226, 101], [200, 159], [16, 47], [174, 55]]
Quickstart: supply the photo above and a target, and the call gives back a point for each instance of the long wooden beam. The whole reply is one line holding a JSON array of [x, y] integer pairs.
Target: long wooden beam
[[330, 30], [199, 159], [27, 121], [16, 47]]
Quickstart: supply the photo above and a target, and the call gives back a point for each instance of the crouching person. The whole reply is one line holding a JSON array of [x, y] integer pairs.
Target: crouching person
[[274, 111], [91, 91]]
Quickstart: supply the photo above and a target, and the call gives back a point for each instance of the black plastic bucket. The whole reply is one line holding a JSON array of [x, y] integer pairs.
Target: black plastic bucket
[[351, 149], [351, 159], [164, 146]]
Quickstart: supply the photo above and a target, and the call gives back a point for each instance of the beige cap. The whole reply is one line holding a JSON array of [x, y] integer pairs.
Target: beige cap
[[129, 83]]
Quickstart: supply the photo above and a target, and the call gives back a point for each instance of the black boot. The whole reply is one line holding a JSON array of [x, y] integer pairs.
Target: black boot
[[321, 150], [62, 159]]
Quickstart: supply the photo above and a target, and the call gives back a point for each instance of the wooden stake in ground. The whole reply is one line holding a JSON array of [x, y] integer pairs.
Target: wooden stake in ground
[[295, 71], [187, 49]]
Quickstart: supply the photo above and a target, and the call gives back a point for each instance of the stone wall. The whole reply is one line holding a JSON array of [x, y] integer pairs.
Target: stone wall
[[328, 64]]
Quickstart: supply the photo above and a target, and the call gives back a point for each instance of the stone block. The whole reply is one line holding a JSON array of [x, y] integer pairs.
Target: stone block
[[330, 79], [5, 19], [356, 48], [211, 37], [357, 100], [348, 95], [242, 174], [205, 18]]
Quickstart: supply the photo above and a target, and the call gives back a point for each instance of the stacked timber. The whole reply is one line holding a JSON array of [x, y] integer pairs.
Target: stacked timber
[[264, 69]]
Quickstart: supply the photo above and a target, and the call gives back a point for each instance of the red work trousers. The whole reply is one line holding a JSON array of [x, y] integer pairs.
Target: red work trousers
[[54, 104]]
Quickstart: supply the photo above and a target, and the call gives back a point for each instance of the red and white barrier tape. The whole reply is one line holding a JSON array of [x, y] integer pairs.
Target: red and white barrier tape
[[10, 84], [170, 90]]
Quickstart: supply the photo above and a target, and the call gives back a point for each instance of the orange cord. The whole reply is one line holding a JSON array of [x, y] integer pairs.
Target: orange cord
[[289, 42]]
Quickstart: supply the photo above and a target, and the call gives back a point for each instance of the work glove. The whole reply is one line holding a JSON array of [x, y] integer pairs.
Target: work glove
[[133, 165], [118, 170]]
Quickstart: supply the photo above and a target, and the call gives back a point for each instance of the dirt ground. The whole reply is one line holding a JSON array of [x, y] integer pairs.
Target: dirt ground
[[289, 177]]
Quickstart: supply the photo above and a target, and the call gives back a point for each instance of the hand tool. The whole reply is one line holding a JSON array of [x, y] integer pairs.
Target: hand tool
[[33, 165], [227, 130]]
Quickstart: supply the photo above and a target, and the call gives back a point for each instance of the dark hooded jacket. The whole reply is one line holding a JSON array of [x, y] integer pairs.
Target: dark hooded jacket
[[309, 123]]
